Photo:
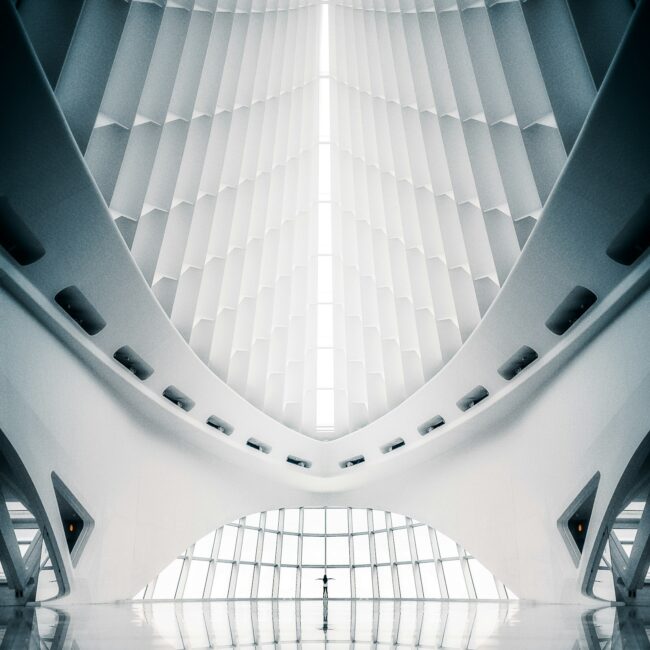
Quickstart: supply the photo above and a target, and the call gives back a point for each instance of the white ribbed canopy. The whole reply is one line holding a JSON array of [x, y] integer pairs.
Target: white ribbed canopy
[[325, 198]]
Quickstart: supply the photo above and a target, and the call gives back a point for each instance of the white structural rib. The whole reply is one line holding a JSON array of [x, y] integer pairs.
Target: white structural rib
[[443, 148], [435, 190]]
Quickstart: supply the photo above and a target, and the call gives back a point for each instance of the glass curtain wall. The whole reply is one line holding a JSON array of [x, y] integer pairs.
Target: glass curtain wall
[[366, 554]]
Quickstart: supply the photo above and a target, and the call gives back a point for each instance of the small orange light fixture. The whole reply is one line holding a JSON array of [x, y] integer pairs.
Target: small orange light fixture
[[580, 528], [71, 528]]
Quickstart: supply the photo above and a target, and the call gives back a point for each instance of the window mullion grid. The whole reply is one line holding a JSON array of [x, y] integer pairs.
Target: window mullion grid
[[501, 589], [419, 590], [258, 556], [353, 622], [209, 582], [255, 623], [236, 558], [373, 556], [353, 578], [440, 574], [210, 627], [467, 574], [397, 617], [278, 554], [185, 569], [392, 556], [301, 520]]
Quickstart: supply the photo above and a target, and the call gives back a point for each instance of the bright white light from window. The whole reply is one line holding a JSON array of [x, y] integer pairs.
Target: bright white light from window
[[288, 583], [325, 408], [227, 546], [244, 581], [324, 172], [221, 580], [268, 550], [249, 545], [265, 589], [361, 549], [363, 580], [325, 368], [337, 520], [290, 549], [338, 550], [324, 112], [325, 313], [430, 584], [196, 579], [324, 228], [454, 577], [291, 519], [325, 318], [385, 582], [313, 550], [313, 521], [406, 581], [203, 548], [381, 544], [324, 39], [447, 546], [359, 520]]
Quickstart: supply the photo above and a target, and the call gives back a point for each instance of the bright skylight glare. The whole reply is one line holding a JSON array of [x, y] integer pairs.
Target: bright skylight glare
[[325, 421]]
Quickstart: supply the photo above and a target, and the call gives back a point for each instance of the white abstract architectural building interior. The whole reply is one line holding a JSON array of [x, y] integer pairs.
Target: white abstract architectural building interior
[[304, 288]]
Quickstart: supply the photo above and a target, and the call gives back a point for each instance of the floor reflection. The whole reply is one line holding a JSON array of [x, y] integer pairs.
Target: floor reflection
[[298, 625]]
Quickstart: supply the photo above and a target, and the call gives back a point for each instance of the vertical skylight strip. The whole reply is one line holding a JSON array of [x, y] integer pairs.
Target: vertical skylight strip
[[324, 336]]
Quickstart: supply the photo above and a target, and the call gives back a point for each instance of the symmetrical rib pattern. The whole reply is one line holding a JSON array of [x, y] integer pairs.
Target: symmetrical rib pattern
[[443, 149]]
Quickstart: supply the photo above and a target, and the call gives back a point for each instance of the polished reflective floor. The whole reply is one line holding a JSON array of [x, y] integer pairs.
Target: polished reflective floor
[[306, 624]]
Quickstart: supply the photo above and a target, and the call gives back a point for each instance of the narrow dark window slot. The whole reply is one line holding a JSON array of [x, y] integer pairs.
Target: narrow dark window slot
[[220, 425], [133, 362], [521, 359], [572, 308], [258, 446], [472, 398], [431, 425], [79, 308], [351, 462], [634, 239], [300, 462], [393, 445], [16, 237], [177, 397]]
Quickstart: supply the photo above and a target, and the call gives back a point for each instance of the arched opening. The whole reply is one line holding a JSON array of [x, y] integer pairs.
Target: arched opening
[[620, 567], [29, 562], [364, 553]]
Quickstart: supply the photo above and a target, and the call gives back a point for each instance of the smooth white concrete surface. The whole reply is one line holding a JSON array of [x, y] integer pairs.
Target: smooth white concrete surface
[[351, 624]]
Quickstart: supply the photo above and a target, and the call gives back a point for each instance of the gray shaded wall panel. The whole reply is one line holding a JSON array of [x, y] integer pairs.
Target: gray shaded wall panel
[[50, 27], [86, 69], [570, 87], [601, 25]]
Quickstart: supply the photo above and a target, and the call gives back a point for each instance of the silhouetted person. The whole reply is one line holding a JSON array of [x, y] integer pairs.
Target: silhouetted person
[[325, 580]]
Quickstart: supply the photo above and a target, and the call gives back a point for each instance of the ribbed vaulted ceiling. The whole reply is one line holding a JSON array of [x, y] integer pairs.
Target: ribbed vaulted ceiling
[[325, 198]]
